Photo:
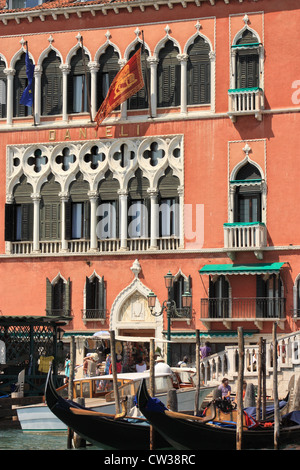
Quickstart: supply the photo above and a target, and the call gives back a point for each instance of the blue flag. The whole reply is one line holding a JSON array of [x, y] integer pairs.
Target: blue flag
[[27, 96]]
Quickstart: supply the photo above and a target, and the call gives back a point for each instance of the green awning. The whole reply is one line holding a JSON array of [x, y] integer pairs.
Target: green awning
[[257, 268]]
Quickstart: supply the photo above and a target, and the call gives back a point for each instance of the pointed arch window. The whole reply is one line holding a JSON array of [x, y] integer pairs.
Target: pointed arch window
[[20, 83], [168, 76], [51, 85], [79, 81], [109, 67], [198, 72], [140, 99], [3, 88], [248, 195], [58, 297], [95, 299], [247, 61]]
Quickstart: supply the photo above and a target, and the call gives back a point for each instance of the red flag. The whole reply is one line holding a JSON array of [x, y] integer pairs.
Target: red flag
[[126, 83]]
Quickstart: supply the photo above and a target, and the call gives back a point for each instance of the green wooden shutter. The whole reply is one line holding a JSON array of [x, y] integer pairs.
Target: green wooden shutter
[[86, 219], [168, 77], [50, 221], [27, 222], [3, 91], [247, 70], [101, 293], [51, 85], [67, 298], [9, 222], [48, 297], [109, 68], [89, 304], [198, 73], [68, 219], [20, 83]]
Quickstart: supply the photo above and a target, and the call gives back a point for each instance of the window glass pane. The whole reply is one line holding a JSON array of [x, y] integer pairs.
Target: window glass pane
[[138, 220], [79, 94], [18, 223], [168, 217], [77, 220], [107, 225]]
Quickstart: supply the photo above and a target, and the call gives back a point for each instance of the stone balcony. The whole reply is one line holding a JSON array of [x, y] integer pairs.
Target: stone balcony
[[245, 101], [245, 236]]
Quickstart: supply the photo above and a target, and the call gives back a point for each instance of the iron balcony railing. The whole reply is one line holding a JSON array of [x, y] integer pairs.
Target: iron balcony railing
[[182, 313], [243, 308], [60, 312], [94, 314]]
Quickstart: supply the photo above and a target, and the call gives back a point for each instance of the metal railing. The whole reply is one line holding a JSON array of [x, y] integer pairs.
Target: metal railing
[[94, 314], [243, 308]]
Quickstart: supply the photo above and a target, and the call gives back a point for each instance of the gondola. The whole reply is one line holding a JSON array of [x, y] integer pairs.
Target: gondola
[[185, 432], [103, 430]]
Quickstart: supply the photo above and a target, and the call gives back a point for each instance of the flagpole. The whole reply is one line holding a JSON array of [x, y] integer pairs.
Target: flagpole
[[147, 77], [33, 114], [86, 80]]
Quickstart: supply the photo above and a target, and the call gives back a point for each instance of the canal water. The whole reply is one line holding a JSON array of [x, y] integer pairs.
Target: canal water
[[16, 439]]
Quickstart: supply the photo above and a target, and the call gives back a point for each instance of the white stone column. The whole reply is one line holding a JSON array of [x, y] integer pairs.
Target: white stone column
[[64, 197], [65, 71], [36, 222], [123, 214], [154, 218], [93, 197], [94, 67], [180, 191], [121, 63], [183, 59], [153, 84], [37, 93], [9, 95], [8, 244]]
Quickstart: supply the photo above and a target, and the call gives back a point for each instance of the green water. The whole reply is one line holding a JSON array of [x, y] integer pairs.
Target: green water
[[15, 439]]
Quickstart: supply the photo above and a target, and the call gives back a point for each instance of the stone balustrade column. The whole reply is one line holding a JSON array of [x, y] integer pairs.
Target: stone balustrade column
[[36, 222], [183, 59], [154, 218], [65, 72], [123, 201], [93, 197], [9, 95], [64, 197], [153, 84]]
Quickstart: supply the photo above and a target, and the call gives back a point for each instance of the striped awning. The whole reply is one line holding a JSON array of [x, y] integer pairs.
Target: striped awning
[[256, 268]]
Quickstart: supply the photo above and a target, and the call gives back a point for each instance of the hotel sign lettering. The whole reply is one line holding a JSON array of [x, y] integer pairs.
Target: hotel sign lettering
[[105, 132]]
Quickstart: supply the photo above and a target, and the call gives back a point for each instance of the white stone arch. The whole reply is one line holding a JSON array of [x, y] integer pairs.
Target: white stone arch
[[56, 279], [74, 50], [295, 295], [132, 46], [103, 48], [240, 33], [137, 292], [161, 44], [46, 52], [244, 162], [2, 57], [17, 56], [191, 40]]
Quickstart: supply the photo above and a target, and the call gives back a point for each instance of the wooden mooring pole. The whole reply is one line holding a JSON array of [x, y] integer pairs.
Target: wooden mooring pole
[[259, 381], [114, 370], [275, 389], [239, 393], [197, 392], [70, 386], [152, 389]]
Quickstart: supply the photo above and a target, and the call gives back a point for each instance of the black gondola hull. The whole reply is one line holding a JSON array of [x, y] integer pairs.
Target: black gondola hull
[[183, 434], [104, 432]]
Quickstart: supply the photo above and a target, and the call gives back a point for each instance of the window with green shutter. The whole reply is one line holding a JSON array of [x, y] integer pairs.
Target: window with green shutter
[[247, 61], [95, 295], [3, 87], [198, 72], [109, 67], [79, 82], [140, 99], [58, 300], [168, 204], [108, 209], [51, 85], [50, 210], [138, 206], [20, 83], [78, 210], [168, 77], [19, 215]]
